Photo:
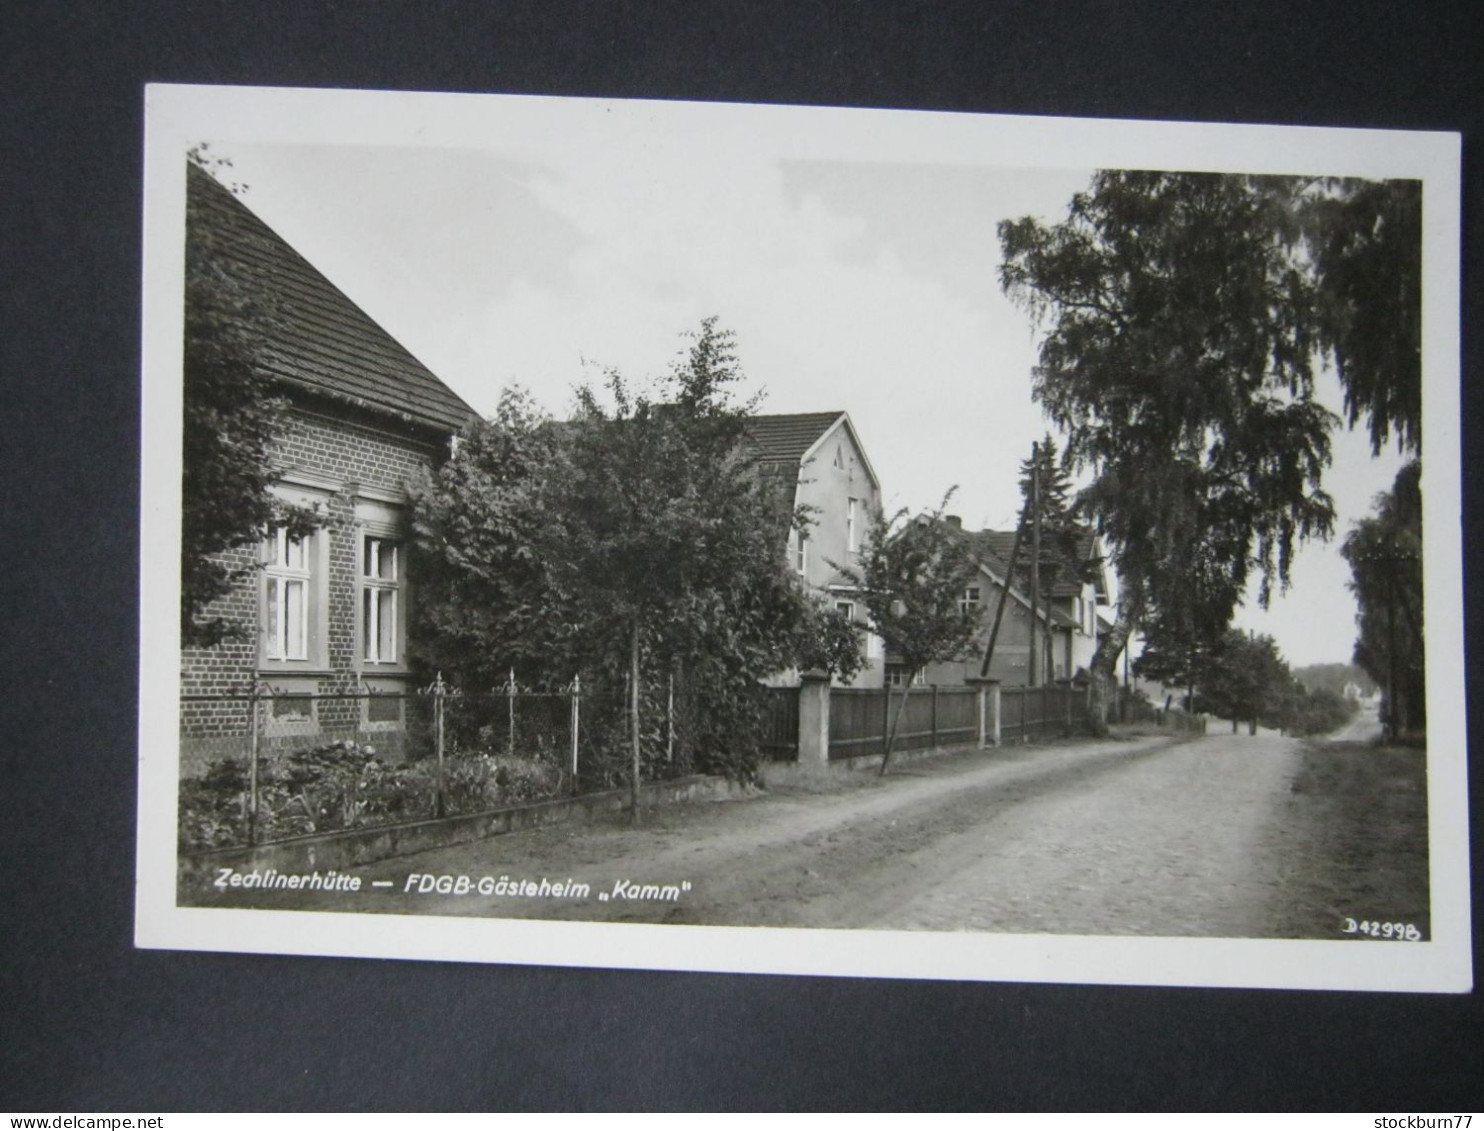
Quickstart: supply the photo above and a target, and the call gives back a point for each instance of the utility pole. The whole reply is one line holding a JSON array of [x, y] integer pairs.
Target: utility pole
[[999, 613], [1035, 665], [1393, 714]]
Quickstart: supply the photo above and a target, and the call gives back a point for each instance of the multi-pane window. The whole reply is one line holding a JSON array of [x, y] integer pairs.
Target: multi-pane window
[[798, 551], [286, 604], [970, 600], [896, 676], [870, 642], [379, 591]]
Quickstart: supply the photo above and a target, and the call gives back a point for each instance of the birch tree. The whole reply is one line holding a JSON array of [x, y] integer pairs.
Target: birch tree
[[1178, 359]]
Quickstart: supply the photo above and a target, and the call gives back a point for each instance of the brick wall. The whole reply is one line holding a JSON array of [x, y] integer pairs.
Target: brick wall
[[351, 456]]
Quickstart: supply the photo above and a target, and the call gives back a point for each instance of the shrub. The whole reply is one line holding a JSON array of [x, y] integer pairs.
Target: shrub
[[343, 785]]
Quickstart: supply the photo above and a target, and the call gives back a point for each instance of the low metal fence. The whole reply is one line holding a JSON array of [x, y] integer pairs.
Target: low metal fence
[[264, 764]]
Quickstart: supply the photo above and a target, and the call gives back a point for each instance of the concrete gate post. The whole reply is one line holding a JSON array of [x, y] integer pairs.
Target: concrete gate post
[[989, 710], [814, 719]]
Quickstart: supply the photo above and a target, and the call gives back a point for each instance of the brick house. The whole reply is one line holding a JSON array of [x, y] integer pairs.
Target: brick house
[[326, 613], [820, 455]]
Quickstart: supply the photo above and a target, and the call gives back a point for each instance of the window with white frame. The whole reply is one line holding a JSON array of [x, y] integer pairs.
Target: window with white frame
[[380, 588], [286, 596], [970, 600], [870, 642], [852, 526], [798, 550], [896, 676]]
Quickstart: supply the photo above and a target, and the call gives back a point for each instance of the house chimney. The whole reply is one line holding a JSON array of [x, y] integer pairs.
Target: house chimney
[[955, 521]]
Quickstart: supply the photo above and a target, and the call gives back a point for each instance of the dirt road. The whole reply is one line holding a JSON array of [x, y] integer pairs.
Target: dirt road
[[1219, 836]]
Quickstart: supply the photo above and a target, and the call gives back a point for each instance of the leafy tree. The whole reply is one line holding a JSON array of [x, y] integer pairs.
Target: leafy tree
[[1364, 239], [233, 415], [480, 528], [912, 575], [637, 545], [1175, 655], [1178, 362], [1245, 678], [1334, 677], [672, 541], [1318, 712], [1385, 556], [828, 640]]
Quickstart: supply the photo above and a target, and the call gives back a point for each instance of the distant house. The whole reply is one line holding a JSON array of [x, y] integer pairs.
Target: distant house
[[821, 457], [1074, 602], [328, 612], [1067, 619]]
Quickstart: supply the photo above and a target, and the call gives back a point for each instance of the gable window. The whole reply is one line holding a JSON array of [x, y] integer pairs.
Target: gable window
[[286, 597], [852, 527], [970, 600], [380, 586]]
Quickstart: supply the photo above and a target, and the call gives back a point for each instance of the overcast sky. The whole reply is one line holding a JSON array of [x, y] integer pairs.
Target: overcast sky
[[867, 287]]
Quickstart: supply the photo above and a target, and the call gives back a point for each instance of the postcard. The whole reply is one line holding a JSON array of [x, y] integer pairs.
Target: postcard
[[790, 540]]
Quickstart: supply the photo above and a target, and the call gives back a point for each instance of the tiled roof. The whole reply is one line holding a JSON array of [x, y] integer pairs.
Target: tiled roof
[[787, 437], [1000, 543], [321, 340]]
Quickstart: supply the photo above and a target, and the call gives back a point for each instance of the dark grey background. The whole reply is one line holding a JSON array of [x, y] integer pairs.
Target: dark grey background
[[88, 1023]]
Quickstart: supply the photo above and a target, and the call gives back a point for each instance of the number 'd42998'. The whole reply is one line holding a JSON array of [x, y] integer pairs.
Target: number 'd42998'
[[1401, 932]]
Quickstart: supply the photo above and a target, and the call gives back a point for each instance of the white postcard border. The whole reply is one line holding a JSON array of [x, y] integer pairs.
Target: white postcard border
[[178, 117]]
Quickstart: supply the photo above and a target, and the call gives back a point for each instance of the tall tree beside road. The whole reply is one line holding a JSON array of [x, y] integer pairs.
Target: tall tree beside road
[[1364, 239], [1385, 556], [1179, 363], [912, 574]]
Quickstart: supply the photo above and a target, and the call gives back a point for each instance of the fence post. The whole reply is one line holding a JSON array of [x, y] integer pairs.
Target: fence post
[[814, 719], [510, 709], [440, 805], [886, 712], [989, 710], [935, 717], [252, 769], [670, 721], [576, 718]]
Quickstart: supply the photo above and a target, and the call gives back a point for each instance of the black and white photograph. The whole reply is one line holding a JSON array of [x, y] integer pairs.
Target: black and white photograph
[[683, 536]]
